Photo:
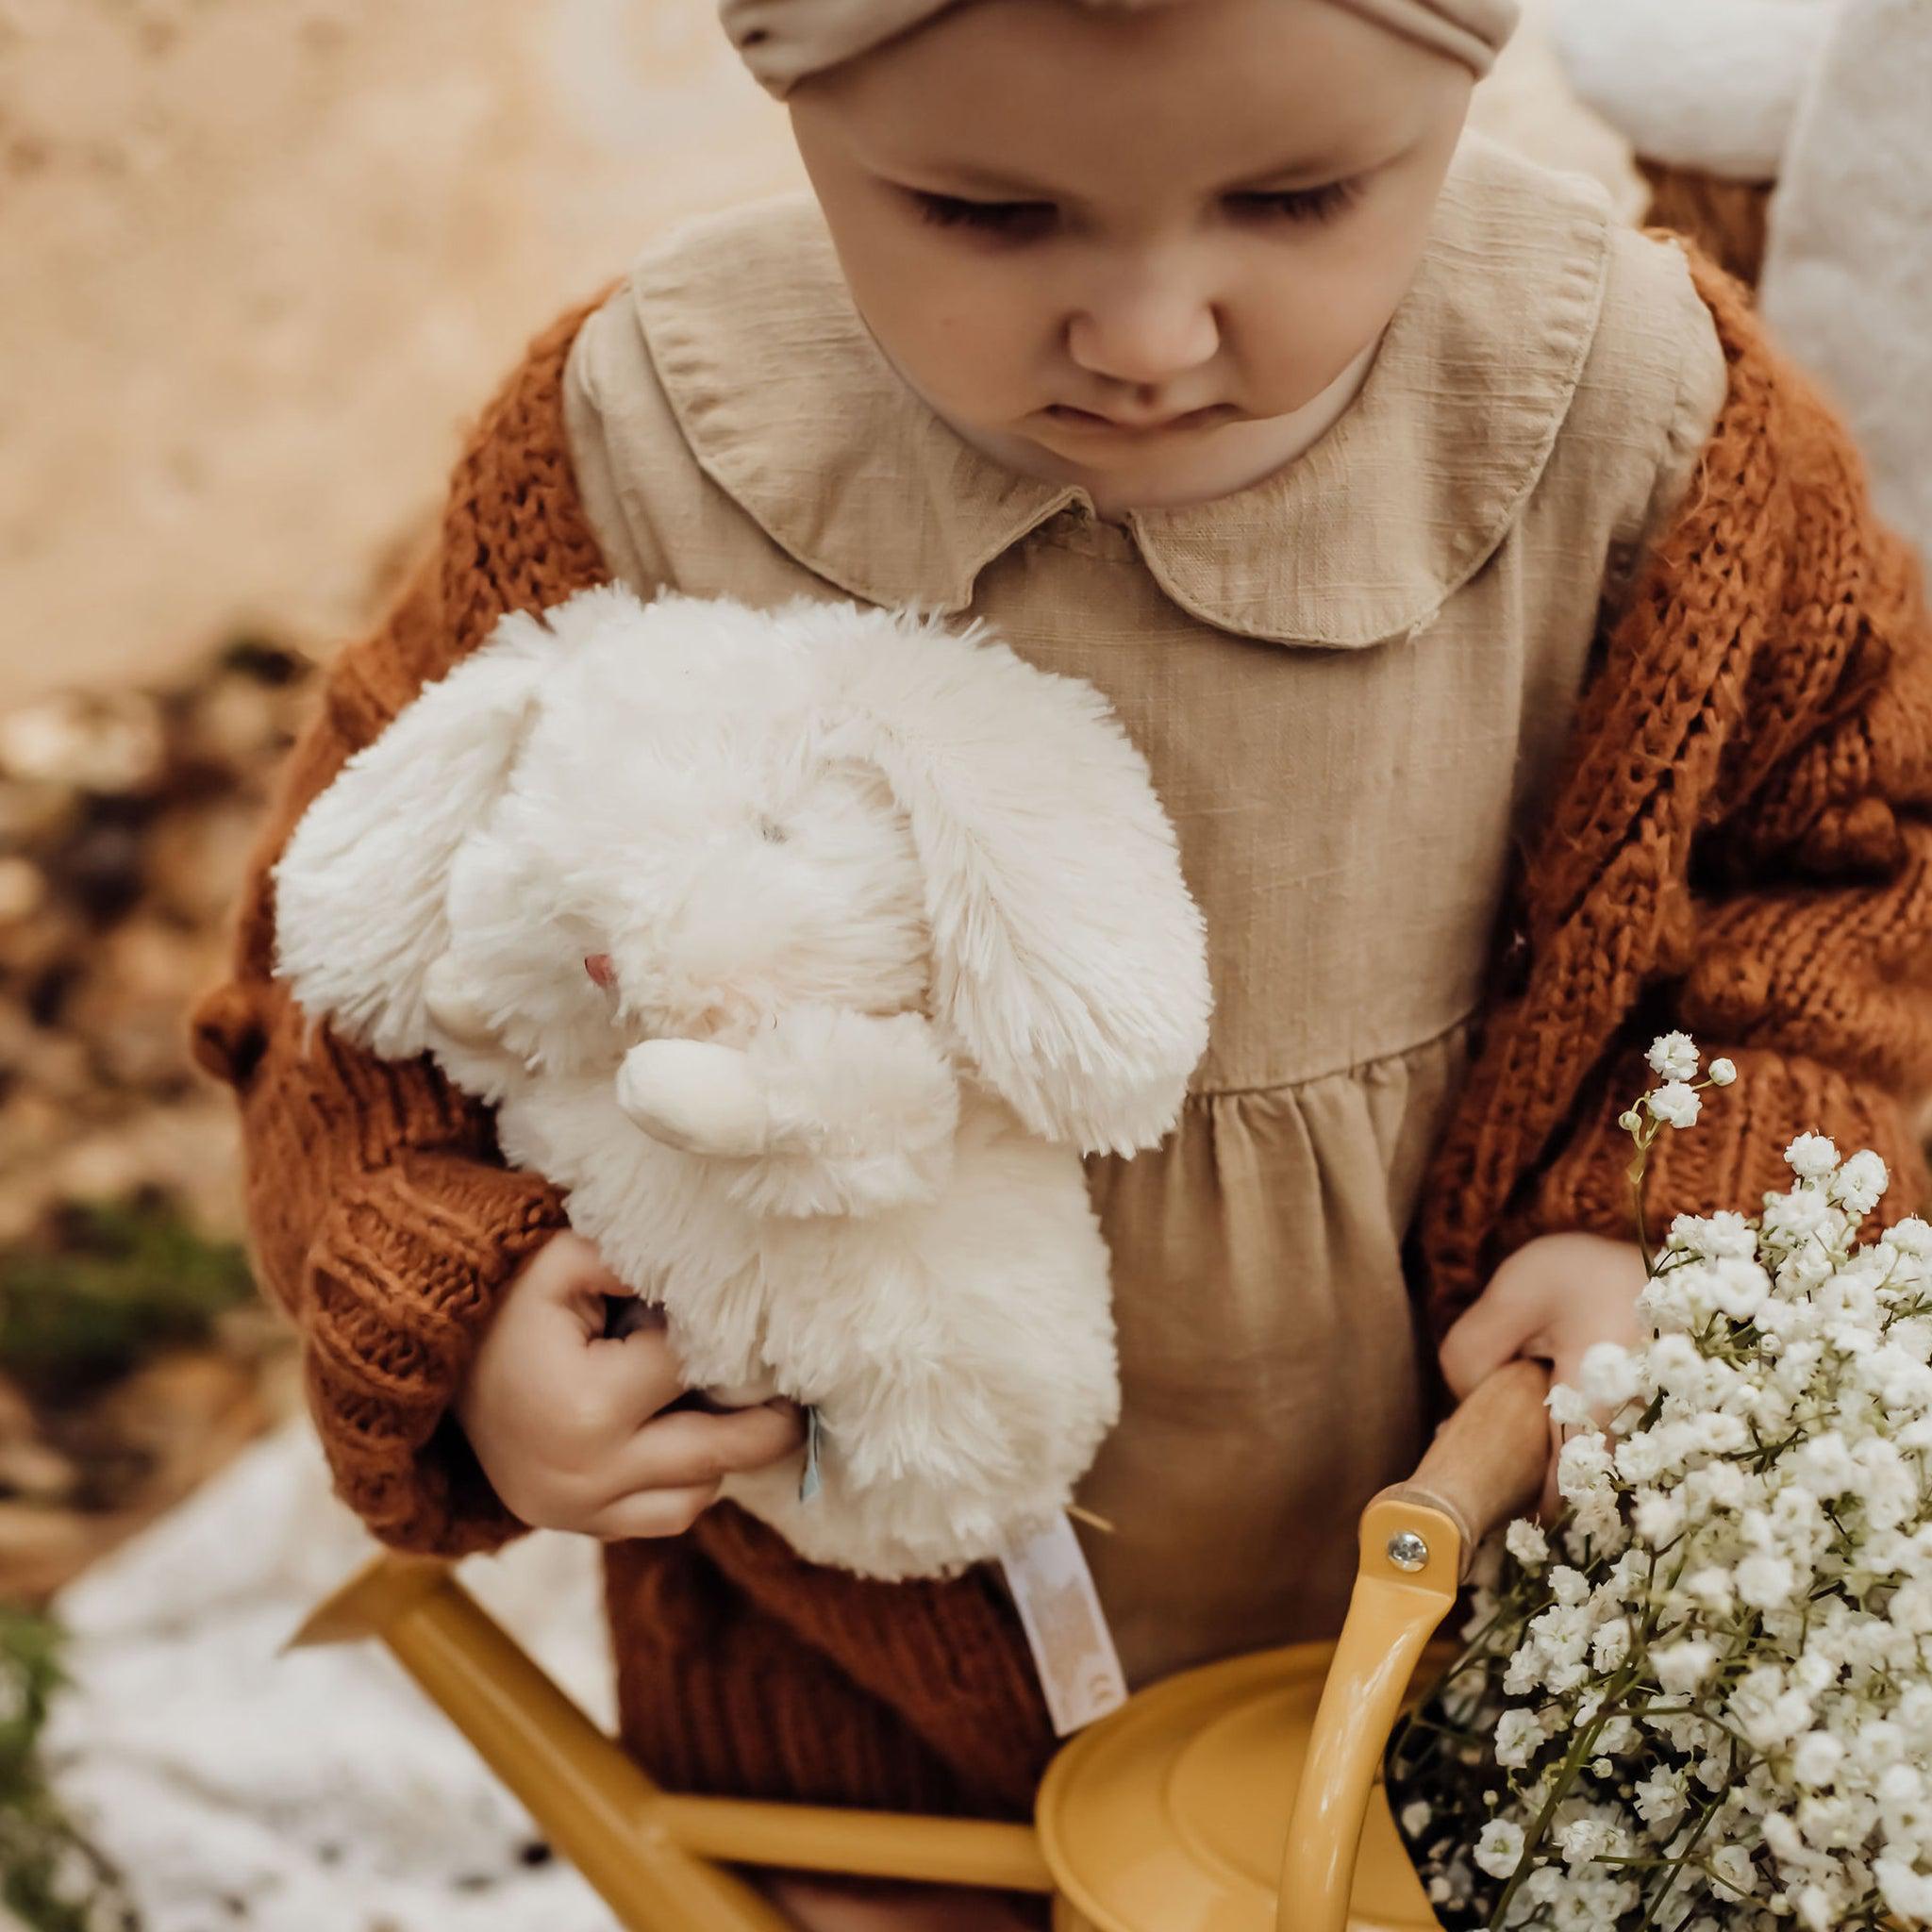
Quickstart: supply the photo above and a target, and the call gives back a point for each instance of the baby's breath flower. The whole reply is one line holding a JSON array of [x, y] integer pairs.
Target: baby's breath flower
[[1610, 1646], [1500, 1847], [1526, 1543], [1659, 1798], [1659, 1516], [1569, 1408], [1732, 1863], [1811, 1157], [1765, 1582], [1673, 1055], [1583, 1840], [1582, 1465], [1739, 1288], [1859, 1182], [1519, 1737], [1712, 1590], [1684, 1667], [1912, 1236], [1609, 1375], [1571, 1588], [1816, 1757], [1702, 1699], [1908, 1892], [1675, 1103]]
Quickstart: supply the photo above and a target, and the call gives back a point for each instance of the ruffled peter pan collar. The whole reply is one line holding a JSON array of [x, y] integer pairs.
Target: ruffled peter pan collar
[[789, 406]]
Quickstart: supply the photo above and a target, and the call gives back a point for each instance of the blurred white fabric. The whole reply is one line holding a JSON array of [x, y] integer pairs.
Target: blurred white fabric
[[317, 1791], [1706, 84], [1827, 99], [1847, 278]]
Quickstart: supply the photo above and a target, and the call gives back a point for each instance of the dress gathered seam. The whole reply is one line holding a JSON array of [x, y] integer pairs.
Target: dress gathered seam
[[1353, 1069]]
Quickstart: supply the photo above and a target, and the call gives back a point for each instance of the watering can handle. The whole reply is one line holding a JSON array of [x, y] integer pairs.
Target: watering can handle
[[1486, 1462]]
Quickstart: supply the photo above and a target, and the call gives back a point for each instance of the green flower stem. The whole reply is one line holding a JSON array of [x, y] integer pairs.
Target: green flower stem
[[1580, 1751], [1712, 1806]]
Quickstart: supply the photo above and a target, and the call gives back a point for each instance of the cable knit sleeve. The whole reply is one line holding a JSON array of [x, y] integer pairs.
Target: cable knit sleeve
[[1743, 849], [382, 1218]]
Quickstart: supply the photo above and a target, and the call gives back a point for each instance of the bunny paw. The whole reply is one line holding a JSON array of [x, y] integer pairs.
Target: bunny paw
[[692, 1095]]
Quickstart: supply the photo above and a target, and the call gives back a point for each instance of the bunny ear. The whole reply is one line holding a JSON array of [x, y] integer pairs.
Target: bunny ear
[[362, 884], [1070, 959]]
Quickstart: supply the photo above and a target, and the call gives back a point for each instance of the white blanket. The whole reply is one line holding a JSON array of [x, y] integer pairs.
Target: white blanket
[[317, 1791], [1847, 280]]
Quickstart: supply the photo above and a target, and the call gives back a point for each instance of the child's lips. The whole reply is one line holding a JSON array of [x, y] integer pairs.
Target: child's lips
[[1069, 416]]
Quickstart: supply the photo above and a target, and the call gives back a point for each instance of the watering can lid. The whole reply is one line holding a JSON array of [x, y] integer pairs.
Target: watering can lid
[[1171, 1815]]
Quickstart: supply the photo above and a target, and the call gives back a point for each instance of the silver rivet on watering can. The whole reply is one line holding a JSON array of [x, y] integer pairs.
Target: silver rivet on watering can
[[1408, 1551]]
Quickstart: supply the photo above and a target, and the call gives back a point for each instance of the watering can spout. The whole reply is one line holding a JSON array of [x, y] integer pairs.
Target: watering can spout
[[648, 1852], [370, 1602], [1175, 1797]]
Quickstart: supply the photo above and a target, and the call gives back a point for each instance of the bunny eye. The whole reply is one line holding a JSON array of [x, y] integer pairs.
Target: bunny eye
[[600, 968], [771, 831]]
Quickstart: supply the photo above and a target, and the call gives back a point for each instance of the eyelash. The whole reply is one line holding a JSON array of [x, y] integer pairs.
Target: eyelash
[[1012, 218]]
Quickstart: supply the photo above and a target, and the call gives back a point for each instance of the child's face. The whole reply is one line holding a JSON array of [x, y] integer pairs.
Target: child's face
[[1064, 224]]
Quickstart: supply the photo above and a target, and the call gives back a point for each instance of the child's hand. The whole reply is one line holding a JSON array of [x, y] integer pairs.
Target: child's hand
[[1553, 1300], [566, 1421]]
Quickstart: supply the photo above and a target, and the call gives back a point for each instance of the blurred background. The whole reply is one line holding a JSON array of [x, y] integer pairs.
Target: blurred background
[[260, 262]]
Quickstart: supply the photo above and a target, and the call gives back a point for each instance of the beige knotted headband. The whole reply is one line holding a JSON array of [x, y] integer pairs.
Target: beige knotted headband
[[783, 42]]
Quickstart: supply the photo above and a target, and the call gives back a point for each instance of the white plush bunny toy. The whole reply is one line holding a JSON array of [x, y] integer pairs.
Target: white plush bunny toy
[[808, 951]]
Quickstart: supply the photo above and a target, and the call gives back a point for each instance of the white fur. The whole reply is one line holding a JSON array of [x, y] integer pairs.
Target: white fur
[[898, 932], [1847, 280], [1706, 84]]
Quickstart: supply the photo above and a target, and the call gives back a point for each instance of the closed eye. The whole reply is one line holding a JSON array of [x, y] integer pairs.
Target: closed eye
[[1025, 221], [1013, 220], [1323, 204]]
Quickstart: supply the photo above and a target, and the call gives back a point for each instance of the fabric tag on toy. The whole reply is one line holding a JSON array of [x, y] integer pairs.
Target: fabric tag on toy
[[810, 1484], [1066, 1629]]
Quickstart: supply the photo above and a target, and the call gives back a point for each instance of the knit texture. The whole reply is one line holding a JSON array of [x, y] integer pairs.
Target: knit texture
[[381, 1216], [1739, 846]]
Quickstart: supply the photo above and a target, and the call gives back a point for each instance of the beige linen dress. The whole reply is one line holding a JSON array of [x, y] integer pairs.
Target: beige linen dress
[[1353, 682]]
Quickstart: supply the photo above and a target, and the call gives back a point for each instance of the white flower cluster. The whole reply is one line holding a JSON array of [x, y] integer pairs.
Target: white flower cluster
[[1704, 1699]]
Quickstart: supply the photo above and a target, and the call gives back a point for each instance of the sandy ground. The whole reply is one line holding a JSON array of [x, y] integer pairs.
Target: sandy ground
[[259, 259]]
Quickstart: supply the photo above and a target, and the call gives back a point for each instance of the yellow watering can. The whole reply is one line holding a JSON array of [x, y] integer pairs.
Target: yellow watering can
[[1240, 1797]]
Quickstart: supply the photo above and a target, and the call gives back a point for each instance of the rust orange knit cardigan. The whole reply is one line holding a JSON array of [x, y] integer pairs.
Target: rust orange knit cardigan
[[1739, 848]]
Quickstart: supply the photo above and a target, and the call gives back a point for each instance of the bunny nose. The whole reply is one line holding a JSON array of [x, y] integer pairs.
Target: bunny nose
[[600, 968]]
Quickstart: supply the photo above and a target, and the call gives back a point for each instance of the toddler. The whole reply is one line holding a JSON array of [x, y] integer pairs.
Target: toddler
[[1512, 647]]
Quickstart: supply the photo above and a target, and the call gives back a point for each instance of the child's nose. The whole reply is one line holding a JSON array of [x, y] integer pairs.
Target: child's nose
[[1154, 333]]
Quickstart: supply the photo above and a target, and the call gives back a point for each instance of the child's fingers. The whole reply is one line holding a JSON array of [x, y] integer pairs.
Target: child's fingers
[[1493, 1331], [690, 1449], [569, 1271], [622, 1385], [650, 1513]]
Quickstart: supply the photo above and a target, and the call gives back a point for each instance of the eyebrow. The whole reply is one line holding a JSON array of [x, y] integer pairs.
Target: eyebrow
[[991, 181]]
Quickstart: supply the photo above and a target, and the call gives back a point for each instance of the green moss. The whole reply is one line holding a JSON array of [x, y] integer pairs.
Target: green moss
[[104, 1285], [50, 1877]]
